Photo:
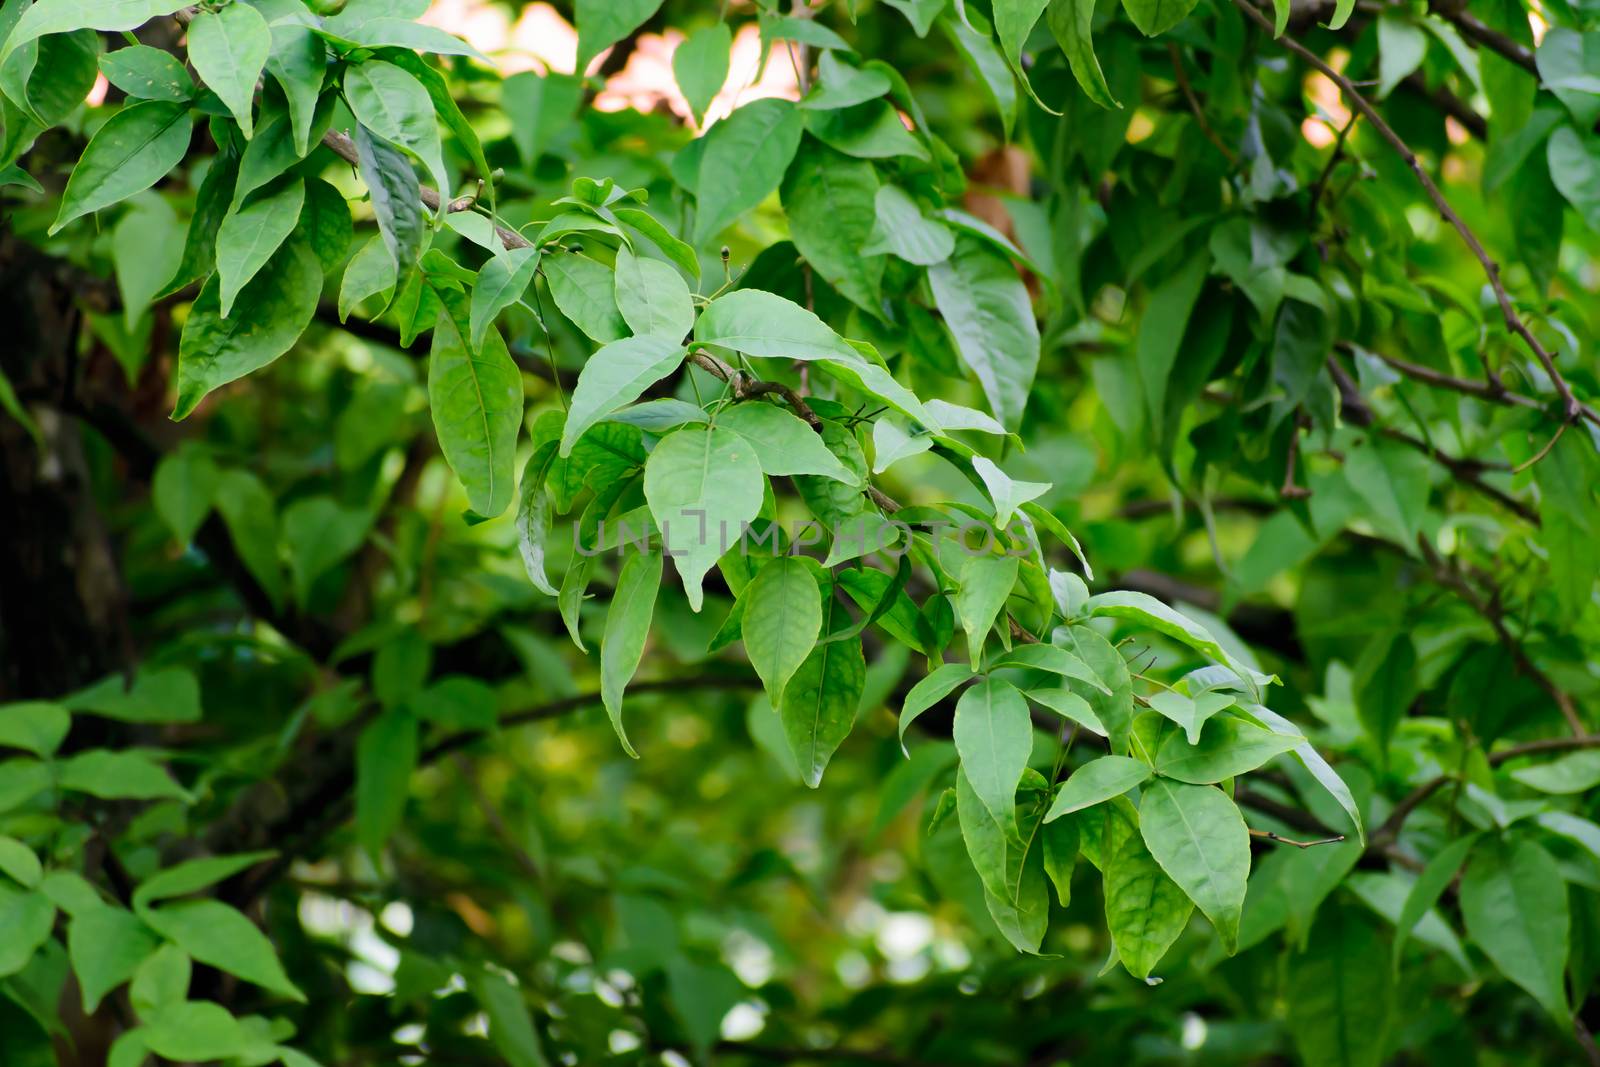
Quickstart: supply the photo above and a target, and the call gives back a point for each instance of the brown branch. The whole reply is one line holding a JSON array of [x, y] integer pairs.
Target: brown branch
[[1268, 835], [1194, 104], [1454, 12], [1491, 391], [1494, 615], [1354, 408], [1491, 270], [746, 386]]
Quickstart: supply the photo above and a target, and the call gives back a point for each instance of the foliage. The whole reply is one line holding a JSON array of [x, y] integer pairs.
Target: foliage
[[481, 430]]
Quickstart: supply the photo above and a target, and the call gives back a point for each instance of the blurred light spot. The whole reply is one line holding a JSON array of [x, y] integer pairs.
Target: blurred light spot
[[368, 980], [476, 1025], [1140, 127], [1194, 1031], [1537, 24], [749, 957], [910, 969], [670, 1058], [621, 1041], [904, 934], [409, 1034], [397, 918], [853, 969], [743, 1022], [97, 94]]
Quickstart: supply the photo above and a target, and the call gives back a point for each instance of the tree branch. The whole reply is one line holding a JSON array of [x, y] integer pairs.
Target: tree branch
[[1491, 270]]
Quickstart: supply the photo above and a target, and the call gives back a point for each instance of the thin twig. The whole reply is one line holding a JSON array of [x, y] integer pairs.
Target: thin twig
[[1491, 391], [1491, 270], [1270, 836], [1194, 103], [1543, 452]]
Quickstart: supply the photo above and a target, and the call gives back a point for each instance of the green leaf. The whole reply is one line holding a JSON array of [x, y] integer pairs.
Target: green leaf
[[867, 131], [26, 918], [1228, 747], [1385, 685], [1575, 169], [183, 489], [63, 16], [602, 23], [194, 1030], [34, 726], [147, 73], [1157, 16], [539, 107], [298, 62], [533, 516], [614, 377], [320, 533], [700, 66], [1071, 23], [1394, 481], [703, 485], [1401, 48], [106, 945], [986, 582], [1569, 65], [1188, 712], [501, 283], [652, 298], [759, 323], [510, 1023], [987, 310], [839, 85], [251, 235], [370, 273], [900, 227], [1198, 836], [229, 49], [1097, 781], [627, 628], [1428, 888], [1008, 495], [396, 198], [784, 444], [819, 703], [994, 735], [987, 62], [267, 318], [401, 33], [129, 154], [1145, 910], [191, 876], [1319, 767], [167, 694], [18, 863], [123, 775], [782, 619], [1148, 611], [162, 979], [385, 757], [1576, 772], [392, 103], [585, 292], [1514, 901], [1009, 864], [744, 159], [1053, 659], [1340, 996], [146, 250], [648, 225], [476, 401], [1161, 332], [938, 684], [1013, 22], [830, 200]]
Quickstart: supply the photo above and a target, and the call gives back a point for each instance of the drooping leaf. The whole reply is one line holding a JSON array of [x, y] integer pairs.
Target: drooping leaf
[[1097, 781], [986, 308], [994, 736], [614, 377], [743, 161], [1514, 902], [476, 401], [1198, 836], [627, 629], [703, 485], [229, 49], [129, 154], [782, 618]]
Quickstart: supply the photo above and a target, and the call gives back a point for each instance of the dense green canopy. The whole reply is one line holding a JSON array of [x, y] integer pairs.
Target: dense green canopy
[[908, 532]]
